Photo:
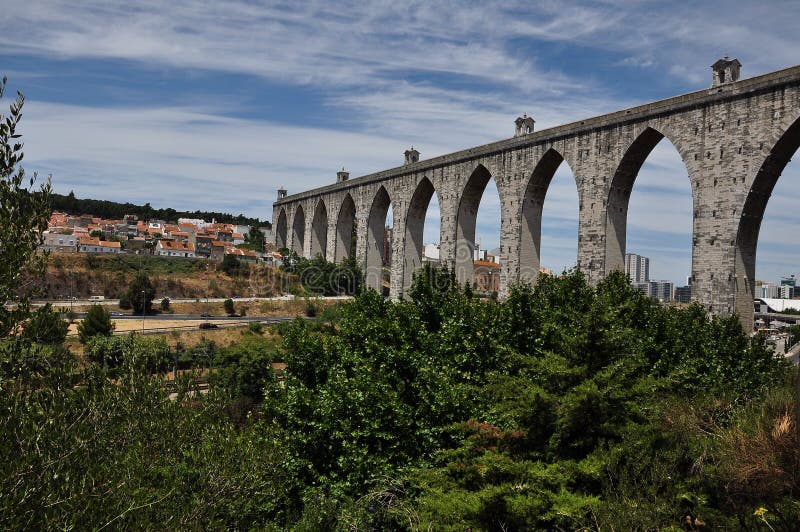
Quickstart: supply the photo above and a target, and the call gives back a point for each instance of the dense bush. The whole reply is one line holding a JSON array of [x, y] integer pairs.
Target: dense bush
[[97, 322], [536, 413], [564, 406], [321, 277], [46, 326]]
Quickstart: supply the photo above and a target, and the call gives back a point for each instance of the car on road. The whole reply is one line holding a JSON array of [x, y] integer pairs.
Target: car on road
[[205, 315], [207, 325]]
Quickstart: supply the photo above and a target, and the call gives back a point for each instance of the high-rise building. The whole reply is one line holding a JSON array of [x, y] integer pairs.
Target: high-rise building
[[637, 267], [661, 290], [683, 294]]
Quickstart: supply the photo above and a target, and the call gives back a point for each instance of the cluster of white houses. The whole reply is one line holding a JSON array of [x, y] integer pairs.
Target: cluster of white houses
[[189, 238]]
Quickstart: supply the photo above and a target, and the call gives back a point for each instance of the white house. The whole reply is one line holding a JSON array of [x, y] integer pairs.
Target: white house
[[169, 248]]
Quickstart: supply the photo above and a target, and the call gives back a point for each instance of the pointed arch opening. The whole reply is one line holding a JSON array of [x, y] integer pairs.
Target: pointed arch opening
[[431, 236], [281, 230], [319, 230], [345, 230], [379, 243], [559, 228], [752, 219], [468, 250], [656, 247], [415, 230], [299, 230]]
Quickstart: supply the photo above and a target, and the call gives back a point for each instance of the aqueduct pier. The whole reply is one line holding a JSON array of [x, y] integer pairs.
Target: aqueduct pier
[[734, 138]]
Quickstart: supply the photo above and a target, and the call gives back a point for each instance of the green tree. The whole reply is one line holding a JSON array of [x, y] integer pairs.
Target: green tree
[[229, 308], [46, 326], [231, 265], [96, 323], [125, 301], [141, 293], [151, 354], [245, 369], [24, 213], [256, 238], [165, 305]]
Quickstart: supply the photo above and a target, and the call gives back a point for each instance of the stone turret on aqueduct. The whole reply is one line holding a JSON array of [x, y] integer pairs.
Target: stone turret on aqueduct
[[734, 138]]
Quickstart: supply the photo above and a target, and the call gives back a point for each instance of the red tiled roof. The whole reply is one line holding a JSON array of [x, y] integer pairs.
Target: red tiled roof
[[177, 246]]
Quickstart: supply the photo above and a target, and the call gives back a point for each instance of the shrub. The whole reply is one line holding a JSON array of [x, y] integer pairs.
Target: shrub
[[141, 293], [96, 323], [46, 326]]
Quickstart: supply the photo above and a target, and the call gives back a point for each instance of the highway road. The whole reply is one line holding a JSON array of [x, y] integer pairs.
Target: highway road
[[115, 302], [190, 317]]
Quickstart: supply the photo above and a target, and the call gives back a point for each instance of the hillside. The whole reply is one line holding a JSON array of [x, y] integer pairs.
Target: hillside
[[84, 275]]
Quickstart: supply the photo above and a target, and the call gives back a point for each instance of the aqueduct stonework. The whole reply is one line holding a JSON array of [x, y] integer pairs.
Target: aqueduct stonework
[[734, 139]]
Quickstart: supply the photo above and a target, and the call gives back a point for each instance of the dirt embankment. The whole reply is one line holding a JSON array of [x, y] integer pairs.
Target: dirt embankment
[[84, 275]]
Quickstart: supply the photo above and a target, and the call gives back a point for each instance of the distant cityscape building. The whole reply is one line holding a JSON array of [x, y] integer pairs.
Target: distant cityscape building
[[773, 291], [637, 267], [430, 253], [387, 247], [683, 294], [661, 290]]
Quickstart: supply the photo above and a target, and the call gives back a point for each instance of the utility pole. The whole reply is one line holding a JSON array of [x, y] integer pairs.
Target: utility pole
[[144, 309]]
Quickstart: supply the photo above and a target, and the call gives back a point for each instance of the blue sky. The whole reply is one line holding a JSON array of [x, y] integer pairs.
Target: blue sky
[[214, 105]]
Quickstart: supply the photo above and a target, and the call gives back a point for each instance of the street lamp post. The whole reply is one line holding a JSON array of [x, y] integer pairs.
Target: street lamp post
[[144, 309]]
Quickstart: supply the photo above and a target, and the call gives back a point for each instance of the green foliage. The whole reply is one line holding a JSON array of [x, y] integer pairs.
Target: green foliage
[[320, 277], [32, 365], [565, 406], [165, 304], [506, 414], [118, 453], [24, 213], [255, 238], [125, 301], [152, 355], [255, 327], [96, 323], [245, 369], [141, 293], [229, 308], [233, 266], [46, 326]]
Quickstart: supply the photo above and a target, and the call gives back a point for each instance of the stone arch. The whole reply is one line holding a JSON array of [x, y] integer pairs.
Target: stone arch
[[531, 219], [466, 219], [376, 241], [619, 194], [298, 230], [414, 228], [752, 214], [319, 230], [345, 224], [281, 230]]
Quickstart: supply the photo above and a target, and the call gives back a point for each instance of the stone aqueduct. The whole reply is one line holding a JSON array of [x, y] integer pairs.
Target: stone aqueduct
[[734, 139]]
